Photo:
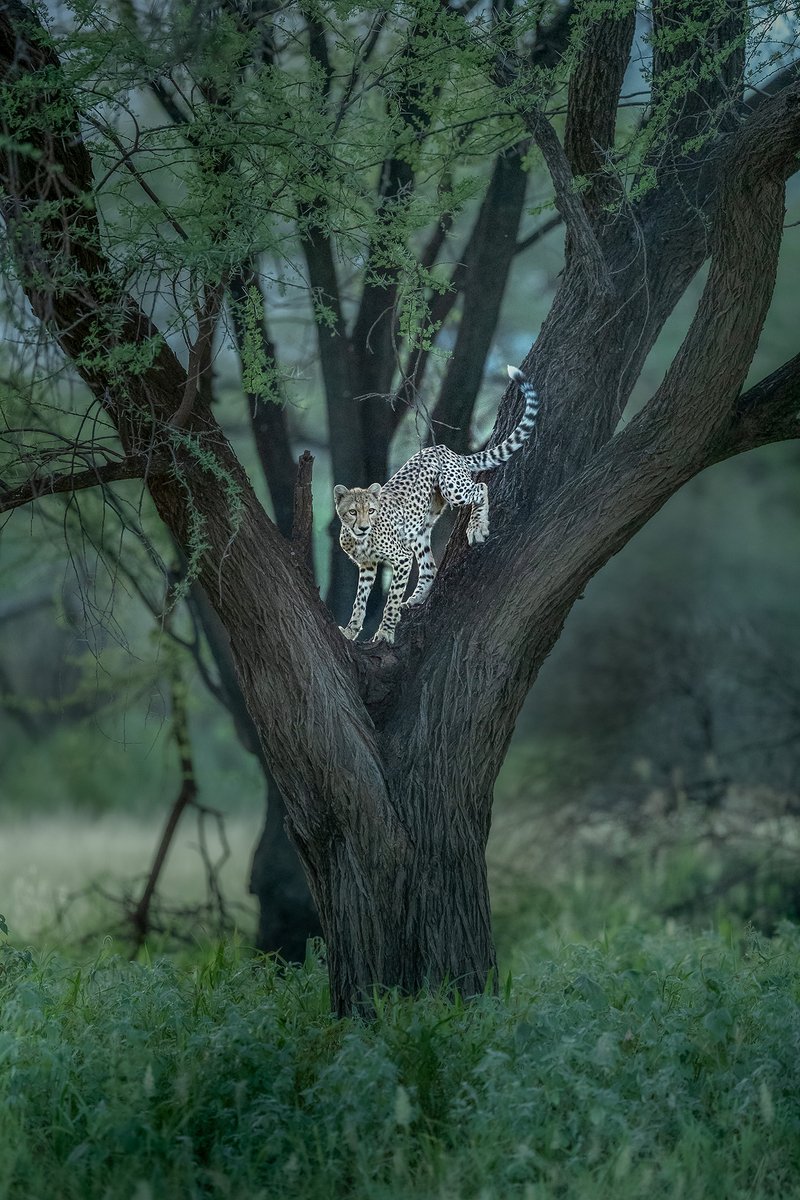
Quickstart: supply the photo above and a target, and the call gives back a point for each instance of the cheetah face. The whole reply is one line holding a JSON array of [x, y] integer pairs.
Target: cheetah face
[[357, 508]]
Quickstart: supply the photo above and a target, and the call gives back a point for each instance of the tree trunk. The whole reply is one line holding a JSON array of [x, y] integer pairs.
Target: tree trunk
[[287, 917], [413, 913], [387, 756]]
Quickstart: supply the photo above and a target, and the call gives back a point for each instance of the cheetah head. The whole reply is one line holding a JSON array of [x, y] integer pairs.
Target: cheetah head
[[357, 508]]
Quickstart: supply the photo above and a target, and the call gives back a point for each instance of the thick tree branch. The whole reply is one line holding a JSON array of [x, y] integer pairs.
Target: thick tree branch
[[583, 246], [525, 580], [594, 89], [303, 516], [767, 412], [136, 466]]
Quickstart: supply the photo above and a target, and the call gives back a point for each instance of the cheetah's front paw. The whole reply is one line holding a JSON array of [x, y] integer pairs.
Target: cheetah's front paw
[[477, 534], [350, 633], [384, 635]]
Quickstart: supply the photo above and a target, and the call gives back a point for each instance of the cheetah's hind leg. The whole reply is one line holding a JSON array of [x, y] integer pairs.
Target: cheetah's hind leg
[[478, 527], [460, 491]]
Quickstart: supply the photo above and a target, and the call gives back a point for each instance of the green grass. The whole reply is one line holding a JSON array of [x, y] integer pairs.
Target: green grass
[[641, 1066], [48, 858]]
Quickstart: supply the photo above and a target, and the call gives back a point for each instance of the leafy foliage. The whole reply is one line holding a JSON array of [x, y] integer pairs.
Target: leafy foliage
[[642, 1064]]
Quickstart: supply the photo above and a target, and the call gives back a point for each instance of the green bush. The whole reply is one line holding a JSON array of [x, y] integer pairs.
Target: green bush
[[644, 1065]]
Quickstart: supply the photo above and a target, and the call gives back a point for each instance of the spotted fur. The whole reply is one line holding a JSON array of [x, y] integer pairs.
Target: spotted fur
[[392, 524]]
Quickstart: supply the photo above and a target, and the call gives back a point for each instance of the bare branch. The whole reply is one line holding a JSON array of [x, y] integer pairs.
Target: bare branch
[[187, 795], [135, 466], [366, 51], [127, 162], [199, 353], [583, 244], [303, 520], [532, 238], [767, 412]]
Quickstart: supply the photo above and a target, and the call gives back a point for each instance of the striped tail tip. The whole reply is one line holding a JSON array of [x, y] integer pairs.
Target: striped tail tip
[[515, 374]]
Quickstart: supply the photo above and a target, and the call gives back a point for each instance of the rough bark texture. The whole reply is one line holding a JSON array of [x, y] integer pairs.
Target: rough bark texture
[[287, 917], [386, 757]]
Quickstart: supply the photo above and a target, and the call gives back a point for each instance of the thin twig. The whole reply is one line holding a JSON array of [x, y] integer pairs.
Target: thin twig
[[199, 353]]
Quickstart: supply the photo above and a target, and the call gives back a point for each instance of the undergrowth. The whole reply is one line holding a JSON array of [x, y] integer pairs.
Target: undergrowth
[[642, 1065]]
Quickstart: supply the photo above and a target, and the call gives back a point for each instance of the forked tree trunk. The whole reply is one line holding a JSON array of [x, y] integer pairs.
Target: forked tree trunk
[[410, 914], [386, 757]]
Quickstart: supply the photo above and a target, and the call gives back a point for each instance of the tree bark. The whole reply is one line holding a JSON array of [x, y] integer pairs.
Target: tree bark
[[286, 914], [387, 756]]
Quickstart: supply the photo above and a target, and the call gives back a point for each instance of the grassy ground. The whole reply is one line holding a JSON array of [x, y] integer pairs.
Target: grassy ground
[[639, 1066], [47, 858], [625, 1057], [563, 875]]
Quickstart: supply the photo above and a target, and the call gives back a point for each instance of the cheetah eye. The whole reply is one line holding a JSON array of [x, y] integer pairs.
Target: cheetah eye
[[351, 512]]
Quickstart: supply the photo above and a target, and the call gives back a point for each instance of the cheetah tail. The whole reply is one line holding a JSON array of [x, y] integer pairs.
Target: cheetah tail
[[497, 455]]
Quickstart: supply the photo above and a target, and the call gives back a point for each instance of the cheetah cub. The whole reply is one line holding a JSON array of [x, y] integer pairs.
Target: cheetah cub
[[392, 524]]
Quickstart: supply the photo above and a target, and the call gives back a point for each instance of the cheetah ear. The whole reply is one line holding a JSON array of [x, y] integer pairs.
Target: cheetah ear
[[339, 491], [374, 489]]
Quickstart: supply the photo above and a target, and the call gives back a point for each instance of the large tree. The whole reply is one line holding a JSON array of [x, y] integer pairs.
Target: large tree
[[386, 757]]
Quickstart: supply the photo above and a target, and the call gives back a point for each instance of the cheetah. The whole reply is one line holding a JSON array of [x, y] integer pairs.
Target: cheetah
[[392, 524]]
